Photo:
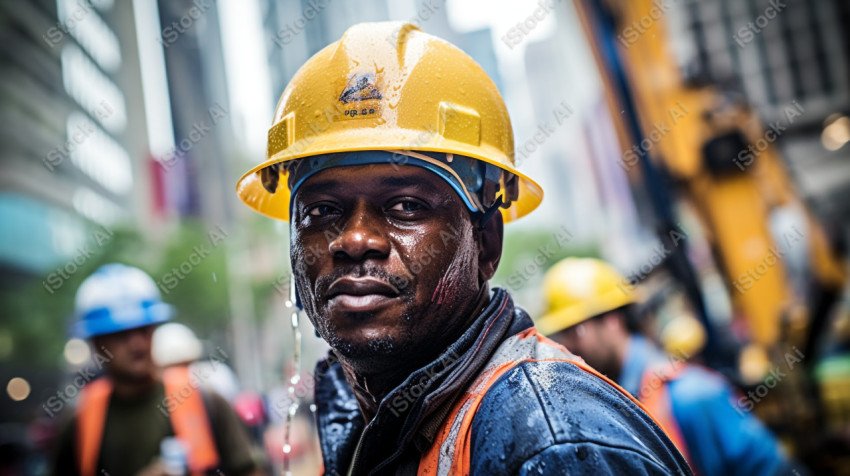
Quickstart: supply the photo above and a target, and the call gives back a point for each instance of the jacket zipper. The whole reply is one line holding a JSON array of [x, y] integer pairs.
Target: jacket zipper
[[356, 453]]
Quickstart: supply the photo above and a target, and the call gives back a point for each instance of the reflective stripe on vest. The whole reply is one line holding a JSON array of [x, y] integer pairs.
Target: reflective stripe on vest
[[451, 450], [188, 415], [655, 396]]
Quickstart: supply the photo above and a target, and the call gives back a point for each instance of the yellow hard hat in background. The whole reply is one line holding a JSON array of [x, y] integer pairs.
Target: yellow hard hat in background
[[577, 289], [387, 86], [683, 335]]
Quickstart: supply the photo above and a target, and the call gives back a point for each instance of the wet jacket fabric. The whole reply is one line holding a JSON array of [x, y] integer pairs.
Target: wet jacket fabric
[[544, 412], [721, 438]]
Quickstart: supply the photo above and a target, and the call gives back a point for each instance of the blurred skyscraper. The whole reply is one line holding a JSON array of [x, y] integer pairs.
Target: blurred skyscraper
[[195, 174], [297, 29], [71, 135], [587, 183]]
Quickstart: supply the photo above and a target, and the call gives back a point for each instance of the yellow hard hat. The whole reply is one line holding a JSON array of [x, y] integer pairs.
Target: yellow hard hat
[[577, 289], [388, 87], [684, 335]]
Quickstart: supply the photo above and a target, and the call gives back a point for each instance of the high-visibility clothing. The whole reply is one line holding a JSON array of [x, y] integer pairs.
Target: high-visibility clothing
[[500, 400], [187, 413], [701, 414], [450, 453], [655, 397]]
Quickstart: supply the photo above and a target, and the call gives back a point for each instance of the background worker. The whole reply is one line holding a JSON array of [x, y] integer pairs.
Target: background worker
[[391, 154], [175, 344], [124, 418], [591, 312]]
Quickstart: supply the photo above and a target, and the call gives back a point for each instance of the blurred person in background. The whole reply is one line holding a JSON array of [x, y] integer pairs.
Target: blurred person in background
[[133, 420], [590, 310], [391, 155], [175, 344]]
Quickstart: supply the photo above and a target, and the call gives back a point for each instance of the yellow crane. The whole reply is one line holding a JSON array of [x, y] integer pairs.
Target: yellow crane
[[726, 167]]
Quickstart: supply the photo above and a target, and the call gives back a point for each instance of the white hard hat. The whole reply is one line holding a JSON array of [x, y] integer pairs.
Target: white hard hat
[[174, 343], [215, 375], [117, 298]]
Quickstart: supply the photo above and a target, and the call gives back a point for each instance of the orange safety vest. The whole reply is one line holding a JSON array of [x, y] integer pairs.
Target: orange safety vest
[[450, 452], [189, 419], [655, 396]]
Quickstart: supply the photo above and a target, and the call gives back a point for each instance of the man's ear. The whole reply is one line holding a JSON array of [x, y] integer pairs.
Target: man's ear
[[490, 240]]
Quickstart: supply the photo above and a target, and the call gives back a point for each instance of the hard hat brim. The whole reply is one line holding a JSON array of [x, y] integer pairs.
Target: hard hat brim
[[557, 321], [113, 324], [276, 205]]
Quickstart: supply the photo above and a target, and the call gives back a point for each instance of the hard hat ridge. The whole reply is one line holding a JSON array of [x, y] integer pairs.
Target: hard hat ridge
[[390, 87]]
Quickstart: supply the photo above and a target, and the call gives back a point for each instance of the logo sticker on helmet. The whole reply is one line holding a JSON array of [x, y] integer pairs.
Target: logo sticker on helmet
[[361, 89]]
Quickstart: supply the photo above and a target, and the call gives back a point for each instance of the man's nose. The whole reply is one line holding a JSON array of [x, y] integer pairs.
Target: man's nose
[[362, 236], [138, 338]]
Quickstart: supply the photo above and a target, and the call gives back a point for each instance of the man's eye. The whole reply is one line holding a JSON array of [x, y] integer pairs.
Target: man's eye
[[407, 206], [320, 210]]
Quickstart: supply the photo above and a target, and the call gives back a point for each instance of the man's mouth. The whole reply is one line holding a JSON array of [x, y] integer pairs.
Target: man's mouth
[[362, 294]]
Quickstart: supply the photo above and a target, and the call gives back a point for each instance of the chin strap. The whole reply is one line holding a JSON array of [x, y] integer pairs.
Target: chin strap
[[485, 216]]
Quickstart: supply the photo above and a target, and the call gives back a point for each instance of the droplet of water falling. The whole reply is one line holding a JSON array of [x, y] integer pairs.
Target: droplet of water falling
[[294, 379]]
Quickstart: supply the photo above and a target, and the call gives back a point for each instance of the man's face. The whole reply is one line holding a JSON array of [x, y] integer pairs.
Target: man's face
[[386, 258], [130, 353], [589, 341]]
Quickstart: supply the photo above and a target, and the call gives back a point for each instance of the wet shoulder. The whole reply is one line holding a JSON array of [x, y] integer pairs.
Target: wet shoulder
[[553, 411]]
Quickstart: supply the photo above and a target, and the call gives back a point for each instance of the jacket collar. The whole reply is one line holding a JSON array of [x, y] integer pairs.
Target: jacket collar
[[409, 417]]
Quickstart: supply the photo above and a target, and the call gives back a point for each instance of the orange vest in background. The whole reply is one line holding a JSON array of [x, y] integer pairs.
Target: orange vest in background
[[655, 396], [189, 418]]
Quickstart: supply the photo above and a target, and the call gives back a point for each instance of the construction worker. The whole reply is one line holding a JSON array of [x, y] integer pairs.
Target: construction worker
[[391, 155], [175, 344], [133, 420], [591, 312]]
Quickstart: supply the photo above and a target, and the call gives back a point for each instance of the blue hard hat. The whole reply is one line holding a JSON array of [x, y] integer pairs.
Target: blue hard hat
[[117, 298]]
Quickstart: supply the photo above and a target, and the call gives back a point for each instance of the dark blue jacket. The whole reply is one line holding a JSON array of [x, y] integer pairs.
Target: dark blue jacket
[[541, 417]]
